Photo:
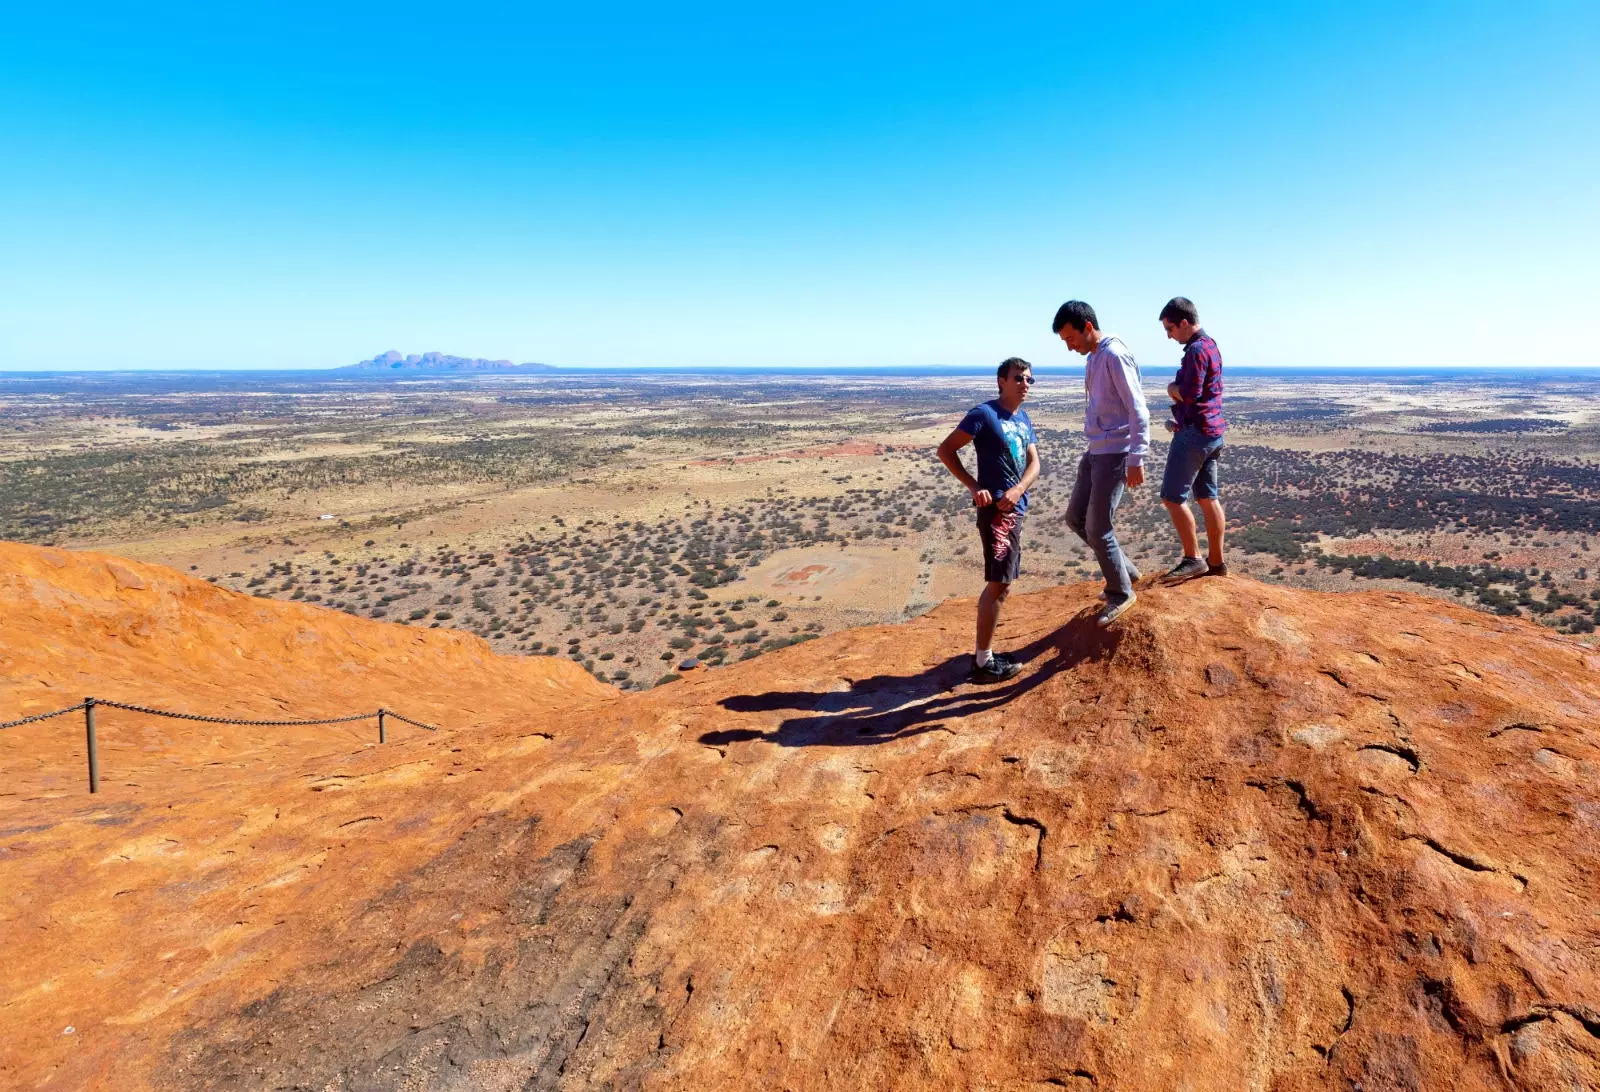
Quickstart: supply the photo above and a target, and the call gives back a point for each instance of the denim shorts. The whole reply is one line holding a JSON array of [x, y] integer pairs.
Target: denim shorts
[[1191, 467]]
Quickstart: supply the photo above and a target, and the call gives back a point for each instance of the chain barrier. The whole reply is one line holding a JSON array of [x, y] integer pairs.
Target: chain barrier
[[88, 706], [408, 720], [234, 720], [42, 716]]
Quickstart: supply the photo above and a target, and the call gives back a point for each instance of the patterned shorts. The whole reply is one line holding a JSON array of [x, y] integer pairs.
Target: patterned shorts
[[1001, 535]]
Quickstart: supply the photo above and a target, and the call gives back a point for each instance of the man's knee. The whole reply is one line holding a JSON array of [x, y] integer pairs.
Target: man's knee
[[1096, 530], [1173, 507], [998, 591]]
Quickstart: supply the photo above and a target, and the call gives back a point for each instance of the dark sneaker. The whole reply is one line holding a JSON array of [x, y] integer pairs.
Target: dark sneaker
[[1219, 569], [998, 669], [1112, 611], [1187, 569]]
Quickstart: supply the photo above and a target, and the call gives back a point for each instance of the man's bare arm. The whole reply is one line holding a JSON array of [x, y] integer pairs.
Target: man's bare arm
[[952, 462]]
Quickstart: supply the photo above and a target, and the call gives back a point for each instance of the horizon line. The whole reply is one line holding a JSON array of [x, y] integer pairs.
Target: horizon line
[[348, 372]]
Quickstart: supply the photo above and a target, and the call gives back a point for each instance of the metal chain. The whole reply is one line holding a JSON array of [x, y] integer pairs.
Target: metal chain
[[217, 720], [43, 716], [408, 720], [232, 720], [87, 705]]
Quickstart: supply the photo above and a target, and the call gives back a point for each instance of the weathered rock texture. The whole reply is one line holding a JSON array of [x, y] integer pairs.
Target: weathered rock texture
[[1257, 838], [80, 624]]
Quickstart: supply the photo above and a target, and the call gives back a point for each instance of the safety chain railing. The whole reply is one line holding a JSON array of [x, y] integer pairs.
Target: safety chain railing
[[89, 705]]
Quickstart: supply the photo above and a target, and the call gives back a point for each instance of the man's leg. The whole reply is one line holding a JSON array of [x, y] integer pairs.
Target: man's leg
[[1216, 527], [1185, 459], [1183, 522], [994, 593], [1107, 479], [1078, 513], [994, 589], [1078, 503], [1001, 535], [1207, 494]]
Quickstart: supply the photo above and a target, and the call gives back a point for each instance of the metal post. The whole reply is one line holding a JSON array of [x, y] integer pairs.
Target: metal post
[[382, 735], [94, 755]]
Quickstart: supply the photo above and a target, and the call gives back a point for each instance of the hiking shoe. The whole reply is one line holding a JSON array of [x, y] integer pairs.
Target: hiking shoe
[[1112, 611], [998, 669], [1187, 569], [1219, 569]]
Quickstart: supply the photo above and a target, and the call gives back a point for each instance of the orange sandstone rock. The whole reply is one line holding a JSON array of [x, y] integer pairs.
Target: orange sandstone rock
[[78, 624], [1251, 838]]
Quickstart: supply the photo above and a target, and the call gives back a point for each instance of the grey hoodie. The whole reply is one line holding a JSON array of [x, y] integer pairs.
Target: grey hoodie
[[1115, 417]]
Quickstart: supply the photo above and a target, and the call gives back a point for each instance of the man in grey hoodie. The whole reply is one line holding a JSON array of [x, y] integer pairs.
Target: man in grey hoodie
[[1117, 424]]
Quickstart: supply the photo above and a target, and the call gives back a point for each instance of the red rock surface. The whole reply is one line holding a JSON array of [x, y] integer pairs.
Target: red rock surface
[[1256, 838], [79, 624]]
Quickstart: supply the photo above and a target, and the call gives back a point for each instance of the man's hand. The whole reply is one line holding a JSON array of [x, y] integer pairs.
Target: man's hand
[[1009, 499], [1135, 476], [1173, 393], [982, 498], [1172, 426]]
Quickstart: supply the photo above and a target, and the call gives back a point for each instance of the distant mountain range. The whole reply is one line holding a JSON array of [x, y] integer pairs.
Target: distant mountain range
[[438, 362]]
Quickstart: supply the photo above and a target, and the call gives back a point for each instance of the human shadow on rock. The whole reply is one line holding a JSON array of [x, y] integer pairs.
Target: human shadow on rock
[[885, 707]]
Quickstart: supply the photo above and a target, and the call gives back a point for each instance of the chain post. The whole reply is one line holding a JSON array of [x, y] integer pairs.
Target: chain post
[[382, 734], [94, 754]]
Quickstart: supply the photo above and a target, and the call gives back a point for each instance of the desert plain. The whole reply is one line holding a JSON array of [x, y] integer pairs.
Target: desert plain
[[632, 522]]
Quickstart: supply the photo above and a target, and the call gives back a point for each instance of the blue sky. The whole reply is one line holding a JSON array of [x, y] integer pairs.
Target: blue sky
[[307, 185]]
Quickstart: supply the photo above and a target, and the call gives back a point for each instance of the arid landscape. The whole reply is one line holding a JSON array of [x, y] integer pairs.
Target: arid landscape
[[634, 522], [487, 603], [701, 797], [1223, 846], [1253, 837]]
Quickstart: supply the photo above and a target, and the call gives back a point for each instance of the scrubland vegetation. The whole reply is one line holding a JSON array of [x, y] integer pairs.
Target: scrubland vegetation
[[1319, 491]]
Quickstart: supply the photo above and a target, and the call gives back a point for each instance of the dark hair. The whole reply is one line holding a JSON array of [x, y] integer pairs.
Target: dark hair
[[1009, 363], [1076, 312], [1178, 309]]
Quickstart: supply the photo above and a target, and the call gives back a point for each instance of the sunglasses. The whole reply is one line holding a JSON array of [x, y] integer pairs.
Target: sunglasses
[[1028, 379]]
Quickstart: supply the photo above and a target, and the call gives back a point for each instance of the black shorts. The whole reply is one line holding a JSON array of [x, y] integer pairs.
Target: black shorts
[[1001, 535]]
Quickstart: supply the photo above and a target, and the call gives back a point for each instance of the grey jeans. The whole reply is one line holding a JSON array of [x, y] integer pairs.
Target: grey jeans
[[1095, 496]]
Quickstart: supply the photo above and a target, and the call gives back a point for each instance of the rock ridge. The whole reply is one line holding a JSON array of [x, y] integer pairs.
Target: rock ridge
[[1254, 837], [395, 361]]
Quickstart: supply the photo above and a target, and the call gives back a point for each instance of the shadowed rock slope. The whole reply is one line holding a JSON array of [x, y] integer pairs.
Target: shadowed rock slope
[[1256, 838]]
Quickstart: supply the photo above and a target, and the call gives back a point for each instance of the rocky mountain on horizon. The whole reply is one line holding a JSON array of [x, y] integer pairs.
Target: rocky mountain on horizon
[[395, 361], [1253, 837]]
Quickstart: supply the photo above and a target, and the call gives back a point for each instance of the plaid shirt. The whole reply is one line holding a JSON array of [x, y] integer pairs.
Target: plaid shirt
[[1200, 387]]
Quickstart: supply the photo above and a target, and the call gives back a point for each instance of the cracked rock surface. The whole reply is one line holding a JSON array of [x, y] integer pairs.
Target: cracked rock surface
[[1250, 838]]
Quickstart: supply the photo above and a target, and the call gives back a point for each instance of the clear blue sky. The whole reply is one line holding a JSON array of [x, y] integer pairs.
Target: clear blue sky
[[304, 185]]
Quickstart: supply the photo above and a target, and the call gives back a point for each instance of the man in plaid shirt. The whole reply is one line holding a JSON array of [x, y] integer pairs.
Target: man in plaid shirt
[[1197, 427]]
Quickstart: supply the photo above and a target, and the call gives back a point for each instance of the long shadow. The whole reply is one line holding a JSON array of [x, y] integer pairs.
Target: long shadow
[[884, 707]]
